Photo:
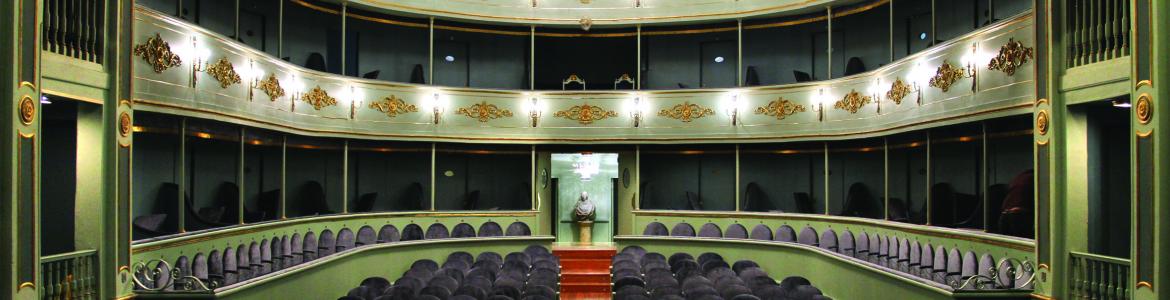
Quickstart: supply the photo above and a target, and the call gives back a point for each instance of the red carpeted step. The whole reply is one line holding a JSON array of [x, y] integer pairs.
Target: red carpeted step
[[585, 271]]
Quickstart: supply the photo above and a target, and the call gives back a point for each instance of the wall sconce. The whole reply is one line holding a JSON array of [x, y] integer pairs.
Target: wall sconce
[[251, 76], [534, 111], [295, 89], [199, 56], [876, 92], [731, 108], [437, 108], [819, 104], [969, 66], [919, 76], [637, 109]]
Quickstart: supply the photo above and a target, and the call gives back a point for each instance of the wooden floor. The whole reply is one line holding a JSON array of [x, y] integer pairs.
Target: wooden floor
[[585, 271]]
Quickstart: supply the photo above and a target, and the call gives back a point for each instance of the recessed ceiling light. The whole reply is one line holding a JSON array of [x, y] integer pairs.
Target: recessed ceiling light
[[449, 58], [718, 59], [922, 36]]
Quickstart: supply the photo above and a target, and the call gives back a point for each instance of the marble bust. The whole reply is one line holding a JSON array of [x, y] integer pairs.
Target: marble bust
[[584, 210]]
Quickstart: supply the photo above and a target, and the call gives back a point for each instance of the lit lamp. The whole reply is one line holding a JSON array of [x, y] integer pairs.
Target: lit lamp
[[295, 89], [876, 92], [437, 108], [199, 56], [969, 65], [637, 109], [818, 106], [534, 111], [919, 76], [731, 108], [251, 75]]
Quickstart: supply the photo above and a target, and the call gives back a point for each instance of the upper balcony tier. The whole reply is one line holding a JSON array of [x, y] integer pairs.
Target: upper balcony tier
[[186, 69]]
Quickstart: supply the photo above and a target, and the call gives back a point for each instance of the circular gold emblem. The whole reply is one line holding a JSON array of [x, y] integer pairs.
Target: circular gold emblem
[[1144, 109], [1042, 122], [28, 110], [124, 124]]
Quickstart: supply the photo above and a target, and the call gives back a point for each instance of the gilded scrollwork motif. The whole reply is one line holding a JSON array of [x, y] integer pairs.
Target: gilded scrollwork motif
[[585, 114], [319, 98], [1144, 109], [1011, 56], [125, 124], [780, 109], [852, 102], [271, 87], [686, 112], [946, 76], [393, 106], [484, 112], [157, 53], [224, 72], [28, 110], [1042, 122], [898, 91]]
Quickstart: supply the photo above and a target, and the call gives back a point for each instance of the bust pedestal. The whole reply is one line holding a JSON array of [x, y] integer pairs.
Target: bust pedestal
[[585, 232]]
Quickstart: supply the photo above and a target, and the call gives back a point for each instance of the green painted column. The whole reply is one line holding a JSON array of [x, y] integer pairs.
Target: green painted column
[[1048, 115], [20, 196], [1150, 264], [114, 266]]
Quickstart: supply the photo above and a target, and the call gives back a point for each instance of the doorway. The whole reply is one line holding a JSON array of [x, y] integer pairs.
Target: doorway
[[593, 173]]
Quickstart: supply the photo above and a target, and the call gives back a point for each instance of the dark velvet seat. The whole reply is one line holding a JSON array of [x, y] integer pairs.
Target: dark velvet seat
[[846, 243], [710, 230], [490, 229], [345, 240], [761, 232], [366, 236], [412, 232], [327, 244], [736, 231], [683, 229], [463, 230], [656, 229], [437, 231], [518, 229], [388, 234], [828, 240], [808, 236]]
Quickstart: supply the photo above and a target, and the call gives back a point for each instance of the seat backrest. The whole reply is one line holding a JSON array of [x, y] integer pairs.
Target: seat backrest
[[366, 236], [489, 229], [761, 232], [437, 231], [736, 231], [710, 230], [345, 240], [682, 229], [785, 233], [388, 234], [463, 230], [656, 229], [808, 236], [846, 244], [518, 229], [828, 240]]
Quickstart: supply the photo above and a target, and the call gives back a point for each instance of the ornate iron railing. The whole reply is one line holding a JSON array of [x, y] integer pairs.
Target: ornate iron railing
[[1096, 30], [74, 28], [1098, 276], [70, 275]]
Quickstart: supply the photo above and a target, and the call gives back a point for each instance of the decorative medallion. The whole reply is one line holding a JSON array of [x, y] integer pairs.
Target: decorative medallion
[[585, 23], [28, 110], [1144, 109], [393, 106], [852, 102], [1011, 56], [483, 112], [574, 78], [946, 76], [1042, 122], [319, 98], [585, 114], [780, 108], [898, 91], [157, 53], [271, 86], [125, 125], [224, 72], [686, 112]]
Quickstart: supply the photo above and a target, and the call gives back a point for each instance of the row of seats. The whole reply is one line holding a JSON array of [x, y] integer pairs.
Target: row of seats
[[949, 266], [638, 275], [246, 261], [530, 275]]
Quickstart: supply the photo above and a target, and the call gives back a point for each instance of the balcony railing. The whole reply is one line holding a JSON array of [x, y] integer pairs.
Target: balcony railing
[[1098, 277], [70, 275], [74, 28], [1096, 30]]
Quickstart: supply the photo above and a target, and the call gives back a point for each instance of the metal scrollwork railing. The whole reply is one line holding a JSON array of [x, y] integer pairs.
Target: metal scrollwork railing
[[157, 275], [1011, 277], [70, 275], [1098, 276]]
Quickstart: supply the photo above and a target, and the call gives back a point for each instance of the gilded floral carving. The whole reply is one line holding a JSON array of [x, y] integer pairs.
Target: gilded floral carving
[[585, 114], [157, 53], [1144, 109], [125, 125], [223, 71], [28, 110], [393, 106], [780, 108], [271, 87], [319, 98], [686, 112], [1011, 56], [852, 102], [484, 112], [1042, 122], [898, 91], [946, 76]]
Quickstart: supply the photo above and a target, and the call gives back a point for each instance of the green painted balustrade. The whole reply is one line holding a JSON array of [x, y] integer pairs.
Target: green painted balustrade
[[170, 248], [837, 276], [180, 68], [976, 241], [332, 276]]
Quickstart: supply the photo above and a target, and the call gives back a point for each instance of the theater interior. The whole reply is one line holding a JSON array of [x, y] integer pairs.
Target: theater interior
[[585, 149]]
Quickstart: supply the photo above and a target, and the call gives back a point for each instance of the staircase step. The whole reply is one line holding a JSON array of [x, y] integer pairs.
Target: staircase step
[[581, 287], [585, 264], [585, 277]]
